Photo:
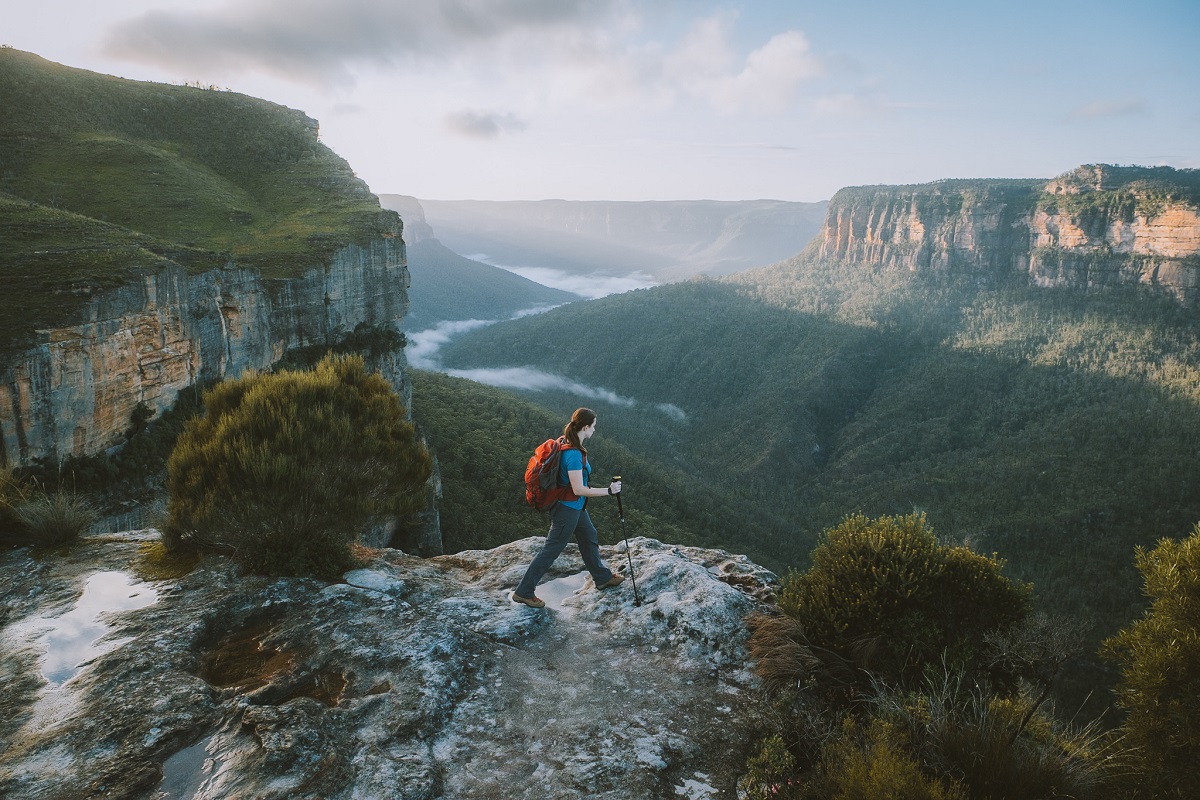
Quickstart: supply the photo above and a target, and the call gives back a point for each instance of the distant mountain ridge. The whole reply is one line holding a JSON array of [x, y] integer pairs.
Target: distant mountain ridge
[[668, 240], [447, 286]]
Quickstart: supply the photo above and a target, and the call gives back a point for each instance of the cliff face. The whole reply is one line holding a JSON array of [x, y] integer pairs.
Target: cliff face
[[73, 393], [1095, 226]]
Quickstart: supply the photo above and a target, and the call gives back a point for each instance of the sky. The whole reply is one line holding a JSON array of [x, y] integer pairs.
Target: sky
[[672, 99]]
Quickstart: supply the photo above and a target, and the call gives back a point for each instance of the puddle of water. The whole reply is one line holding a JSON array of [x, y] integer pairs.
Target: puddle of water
[[187, 772], [556, 591], [242, 660], [77, 637], [71, 640]]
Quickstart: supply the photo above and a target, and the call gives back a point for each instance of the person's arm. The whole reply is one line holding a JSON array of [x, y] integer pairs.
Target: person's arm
[[576, 476]]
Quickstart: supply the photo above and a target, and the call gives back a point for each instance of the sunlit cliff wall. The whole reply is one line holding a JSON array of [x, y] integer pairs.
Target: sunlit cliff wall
[[1097, 225]]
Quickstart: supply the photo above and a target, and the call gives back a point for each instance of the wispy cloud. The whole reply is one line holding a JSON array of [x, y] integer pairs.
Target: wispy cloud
[[591, 286], [315, 41], [705, 64], [1127, 107], [535, 380], [423, 345], [770, 76], [483, 124], [422, 352], [600, 50]]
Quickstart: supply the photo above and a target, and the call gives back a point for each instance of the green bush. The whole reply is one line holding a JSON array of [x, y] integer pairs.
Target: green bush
[[888, 586], [284, 471], [948, 739], [876, 763], [771, 773], [55, 518], [1160, 671]]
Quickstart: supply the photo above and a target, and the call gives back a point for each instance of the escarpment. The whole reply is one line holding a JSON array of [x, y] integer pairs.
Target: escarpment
[[1097, 225], [75, 390], [157, 237]]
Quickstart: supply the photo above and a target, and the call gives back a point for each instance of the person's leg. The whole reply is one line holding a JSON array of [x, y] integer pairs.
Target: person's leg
[[589, 548], [562, 525]]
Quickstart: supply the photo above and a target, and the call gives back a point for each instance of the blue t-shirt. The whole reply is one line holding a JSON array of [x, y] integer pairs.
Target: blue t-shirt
[[573, 460]]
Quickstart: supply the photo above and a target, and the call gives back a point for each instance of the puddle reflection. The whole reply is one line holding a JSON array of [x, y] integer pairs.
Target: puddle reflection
[[556, 591], [74, 638]]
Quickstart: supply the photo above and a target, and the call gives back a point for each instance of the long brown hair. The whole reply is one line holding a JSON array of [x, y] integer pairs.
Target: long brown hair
[[579, 420]]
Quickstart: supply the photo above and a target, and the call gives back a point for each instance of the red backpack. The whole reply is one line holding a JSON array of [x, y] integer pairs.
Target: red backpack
[[541, 475]]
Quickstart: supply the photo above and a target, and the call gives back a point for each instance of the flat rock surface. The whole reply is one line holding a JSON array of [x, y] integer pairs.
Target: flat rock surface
[[411, 678]]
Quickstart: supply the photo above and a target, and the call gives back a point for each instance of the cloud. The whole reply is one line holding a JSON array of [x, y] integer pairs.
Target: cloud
[[483, 124], [673, 411], [1128, 107], [422, 347], [770, 77], [705, 65], [592, 286], [535, 380], [599, 52], [422, 354], [315, 41]]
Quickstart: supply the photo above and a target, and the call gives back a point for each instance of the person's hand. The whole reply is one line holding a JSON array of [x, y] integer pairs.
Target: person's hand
[[614, 487]]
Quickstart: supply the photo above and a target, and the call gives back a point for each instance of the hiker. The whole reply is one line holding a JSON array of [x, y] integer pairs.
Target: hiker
[[569, 517]]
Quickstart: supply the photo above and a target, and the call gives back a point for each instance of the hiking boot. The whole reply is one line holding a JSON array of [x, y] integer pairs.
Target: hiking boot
[[532, 602], [615, 580]]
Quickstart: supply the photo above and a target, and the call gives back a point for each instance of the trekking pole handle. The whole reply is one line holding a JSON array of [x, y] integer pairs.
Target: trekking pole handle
[[621, 511]]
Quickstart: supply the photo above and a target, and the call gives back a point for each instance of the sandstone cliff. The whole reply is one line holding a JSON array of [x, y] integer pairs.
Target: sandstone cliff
[[156, 236], [412, 679], [1098, 225], [73, 392]]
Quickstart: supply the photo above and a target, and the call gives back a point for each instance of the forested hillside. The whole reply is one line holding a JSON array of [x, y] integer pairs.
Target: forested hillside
[[484, 437], [1056, 427]]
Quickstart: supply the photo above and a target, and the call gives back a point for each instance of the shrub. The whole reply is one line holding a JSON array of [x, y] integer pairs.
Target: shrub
[[890, 583], [1160, 670], [57, 518], [285, 470], [876, 763], [998, 747], [12, 493], [771, 773]]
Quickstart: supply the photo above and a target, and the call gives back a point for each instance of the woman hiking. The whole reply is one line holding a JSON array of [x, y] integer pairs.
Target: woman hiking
[[569, 517]]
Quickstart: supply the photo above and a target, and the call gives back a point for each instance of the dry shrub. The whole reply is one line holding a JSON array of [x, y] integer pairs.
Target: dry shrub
[[55, 519], [785, 659]]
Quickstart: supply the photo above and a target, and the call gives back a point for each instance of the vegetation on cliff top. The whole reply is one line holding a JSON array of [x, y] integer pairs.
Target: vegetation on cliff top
[[1085, 193], [285, 470], [96, 169], [903, 666]]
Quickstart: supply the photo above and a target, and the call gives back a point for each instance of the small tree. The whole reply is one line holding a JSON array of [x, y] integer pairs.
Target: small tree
[[1160, 670], [285, 470], [889, 587]]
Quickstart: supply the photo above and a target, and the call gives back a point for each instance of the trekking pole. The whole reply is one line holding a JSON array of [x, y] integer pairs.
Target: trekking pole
[[637, 601]]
